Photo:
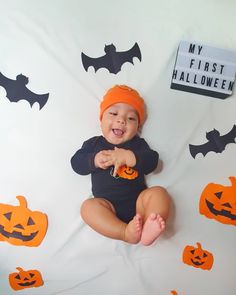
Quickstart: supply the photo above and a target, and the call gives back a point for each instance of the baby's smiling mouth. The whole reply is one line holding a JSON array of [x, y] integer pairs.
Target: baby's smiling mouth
[[118, 132]]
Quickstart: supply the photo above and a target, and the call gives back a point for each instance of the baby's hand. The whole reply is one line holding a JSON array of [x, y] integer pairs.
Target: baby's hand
[[122, 157], [103, 159]]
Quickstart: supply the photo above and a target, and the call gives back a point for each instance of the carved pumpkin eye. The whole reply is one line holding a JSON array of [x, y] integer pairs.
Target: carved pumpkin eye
[[8, 215], [218, 202], [197, 257], [218, 195], [30, 221]]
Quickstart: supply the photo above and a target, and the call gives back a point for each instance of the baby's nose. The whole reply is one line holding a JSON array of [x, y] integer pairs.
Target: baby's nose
[[121, 120]]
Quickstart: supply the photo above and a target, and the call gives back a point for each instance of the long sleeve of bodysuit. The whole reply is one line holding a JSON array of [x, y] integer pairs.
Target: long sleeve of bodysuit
[[82, 161], [146, 158]]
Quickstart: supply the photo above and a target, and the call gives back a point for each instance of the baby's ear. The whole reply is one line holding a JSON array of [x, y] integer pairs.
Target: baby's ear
[[140, 128]]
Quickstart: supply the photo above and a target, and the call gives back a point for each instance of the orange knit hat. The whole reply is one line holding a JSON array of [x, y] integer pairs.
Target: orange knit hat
[[124, 94]]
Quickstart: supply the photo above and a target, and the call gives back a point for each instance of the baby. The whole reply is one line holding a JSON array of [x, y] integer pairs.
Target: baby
[[123, 208]]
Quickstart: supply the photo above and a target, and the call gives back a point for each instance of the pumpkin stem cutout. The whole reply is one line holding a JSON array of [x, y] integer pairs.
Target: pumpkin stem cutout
[[197, 257], [20, 226], [25, 279], [218, 202]]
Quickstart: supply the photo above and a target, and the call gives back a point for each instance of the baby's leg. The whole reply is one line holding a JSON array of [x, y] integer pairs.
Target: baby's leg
[[100, 214], [153, 205]]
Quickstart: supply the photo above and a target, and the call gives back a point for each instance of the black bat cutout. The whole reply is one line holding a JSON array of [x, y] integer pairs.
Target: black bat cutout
[[216, 142], [16, 90], [112, 60]]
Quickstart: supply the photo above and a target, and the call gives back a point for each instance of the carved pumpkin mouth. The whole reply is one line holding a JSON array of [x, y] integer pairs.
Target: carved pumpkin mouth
[[27, 284], [129, 172], [223, 212], [17, 235], [197, 262]]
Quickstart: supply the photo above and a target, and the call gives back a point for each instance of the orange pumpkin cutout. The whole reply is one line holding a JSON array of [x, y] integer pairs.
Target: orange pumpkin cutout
[[127, 172], [173, 292], [20, 226], [25, 279], [219, 202], [197, 257]]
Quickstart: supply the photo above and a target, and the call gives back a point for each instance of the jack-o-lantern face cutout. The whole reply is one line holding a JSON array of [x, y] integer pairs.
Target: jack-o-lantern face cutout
[[25, 279], [127, 172], [20, 226], [219, 202], [197, 257]]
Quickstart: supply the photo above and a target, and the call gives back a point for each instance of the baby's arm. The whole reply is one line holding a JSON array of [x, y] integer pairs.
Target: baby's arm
[[82, 161], [146, 158]]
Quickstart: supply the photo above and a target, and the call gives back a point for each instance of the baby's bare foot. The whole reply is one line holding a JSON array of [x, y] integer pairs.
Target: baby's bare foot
[[133, 230], [152, 228]]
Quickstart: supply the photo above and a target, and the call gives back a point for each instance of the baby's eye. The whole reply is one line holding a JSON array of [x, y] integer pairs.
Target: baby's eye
[[132, 119], [113, 113]]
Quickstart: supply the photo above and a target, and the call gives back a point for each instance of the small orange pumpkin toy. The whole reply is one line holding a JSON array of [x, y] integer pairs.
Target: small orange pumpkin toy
[[219, 202], [197, 257], [20, 226], [25, 279], [127, 172]]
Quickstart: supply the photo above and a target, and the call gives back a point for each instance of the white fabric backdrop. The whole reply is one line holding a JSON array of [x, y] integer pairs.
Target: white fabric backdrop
[[43, 40]]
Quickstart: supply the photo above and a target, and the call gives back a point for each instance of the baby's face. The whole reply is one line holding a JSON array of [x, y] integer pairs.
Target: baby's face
[[119, 123]]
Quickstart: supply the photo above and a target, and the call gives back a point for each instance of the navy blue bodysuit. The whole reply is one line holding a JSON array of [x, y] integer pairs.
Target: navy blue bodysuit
[[121, 192]]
